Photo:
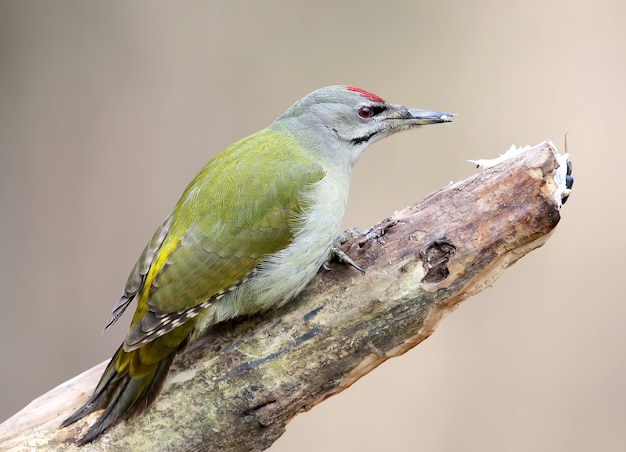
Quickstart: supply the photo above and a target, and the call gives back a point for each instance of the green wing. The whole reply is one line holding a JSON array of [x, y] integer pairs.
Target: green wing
[[241, 207], [140, 270]]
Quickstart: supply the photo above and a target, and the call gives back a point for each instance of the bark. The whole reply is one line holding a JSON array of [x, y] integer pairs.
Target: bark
[[237, 387]]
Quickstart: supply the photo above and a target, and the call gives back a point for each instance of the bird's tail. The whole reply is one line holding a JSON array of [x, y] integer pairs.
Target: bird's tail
[[131, 382]]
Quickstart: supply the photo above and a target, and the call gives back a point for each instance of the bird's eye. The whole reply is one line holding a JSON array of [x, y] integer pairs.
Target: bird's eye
[[365, 112]]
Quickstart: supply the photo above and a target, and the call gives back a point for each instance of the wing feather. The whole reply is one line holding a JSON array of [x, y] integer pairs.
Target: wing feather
[[140, 270]]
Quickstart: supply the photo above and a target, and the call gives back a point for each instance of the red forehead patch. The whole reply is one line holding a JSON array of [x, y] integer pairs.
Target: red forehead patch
[[366, 94]]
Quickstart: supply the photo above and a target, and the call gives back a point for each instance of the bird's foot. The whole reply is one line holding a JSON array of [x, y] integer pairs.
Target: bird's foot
[[336, 252]]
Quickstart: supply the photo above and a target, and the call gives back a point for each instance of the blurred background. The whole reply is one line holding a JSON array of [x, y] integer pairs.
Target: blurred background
[[108, 109]]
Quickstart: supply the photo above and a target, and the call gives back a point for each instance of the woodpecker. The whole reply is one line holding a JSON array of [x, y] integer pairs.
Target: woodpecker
[[249, 232]]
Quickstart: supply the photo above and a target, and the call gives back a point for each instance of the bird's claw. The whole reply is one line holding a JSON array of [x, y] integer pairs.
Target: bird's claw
[[338, 254]]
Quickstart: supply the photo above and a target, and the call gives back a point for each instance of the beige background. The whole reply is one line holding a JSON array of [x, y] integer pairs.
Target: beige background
[[107, 109]]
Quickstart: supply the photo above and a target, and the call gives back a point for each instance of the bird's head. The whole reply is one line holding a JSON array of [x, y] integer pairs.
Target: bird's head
[[342, 121]]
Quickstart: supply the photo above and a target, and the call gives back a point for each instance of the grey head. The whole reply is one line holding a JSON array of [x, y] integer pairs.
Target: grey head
[[340, 121]]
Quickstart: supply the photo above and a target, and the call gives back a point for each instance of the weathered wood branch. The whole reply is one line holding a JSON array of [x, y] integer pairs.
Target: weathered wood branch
[[238, 386]]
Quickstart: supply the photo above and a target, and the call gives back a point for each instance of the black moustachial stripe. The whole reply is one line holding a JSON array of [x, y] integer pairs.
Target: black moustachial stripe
[[363, 139]]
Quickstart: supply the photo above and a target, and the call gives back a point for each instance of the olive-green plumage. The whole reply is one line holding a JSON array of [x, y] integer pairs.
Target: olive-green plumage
[[227, 220], [249, 232]]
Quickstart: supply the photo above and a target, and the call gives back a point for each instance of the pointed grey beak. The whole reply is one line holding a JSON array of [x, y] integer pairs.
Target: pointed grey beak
[[423, 117]]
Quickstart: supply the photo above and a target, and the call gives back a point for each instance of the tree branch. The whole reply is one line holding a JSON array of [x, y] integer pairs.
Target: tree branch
[[238, 386]]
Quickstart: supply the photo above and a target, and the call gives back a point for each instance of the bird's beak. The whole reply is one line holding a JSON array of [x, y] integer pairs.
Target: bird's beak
[[423, 117]]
